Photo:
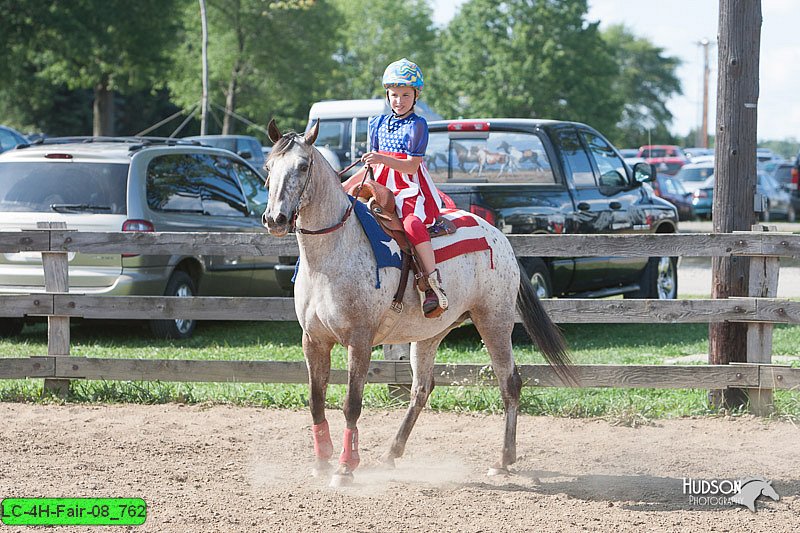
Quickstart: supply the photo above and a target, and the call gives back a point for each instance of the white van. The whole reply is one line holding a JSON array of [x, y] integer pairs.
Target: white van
[[343, 124]]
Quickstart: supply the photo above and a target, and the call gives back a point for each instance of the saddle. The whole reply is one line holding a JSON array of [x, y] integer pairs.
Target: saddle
[[380, 202]]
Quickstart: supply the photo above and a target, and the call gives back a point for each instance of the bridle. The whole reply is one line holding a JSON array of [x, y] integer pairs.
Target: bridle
[[329, 229]]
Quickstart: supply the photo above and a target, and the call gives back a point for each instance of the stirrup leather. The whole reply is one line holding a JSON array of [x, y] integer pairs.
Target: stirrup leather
[[434, 301]]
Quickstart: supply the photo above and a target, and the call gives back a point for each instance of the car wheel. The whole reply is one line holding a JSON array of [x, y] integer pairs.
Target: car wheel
[[539, 276], [179, 284], [11, 327], [659, 280]]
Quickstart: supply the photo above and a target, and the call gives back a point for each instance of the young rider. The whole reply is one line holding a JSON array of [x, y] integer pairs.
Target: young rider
[[397, 147]]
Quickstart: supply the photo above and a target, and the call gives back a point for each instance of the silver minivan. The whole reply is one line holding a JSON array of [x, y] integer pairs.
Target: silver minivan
[[135, 184]]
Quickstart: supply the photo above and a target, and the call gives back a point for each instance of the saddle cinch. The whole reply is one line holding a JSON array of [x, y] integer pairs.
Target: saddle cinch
[[380, 202]]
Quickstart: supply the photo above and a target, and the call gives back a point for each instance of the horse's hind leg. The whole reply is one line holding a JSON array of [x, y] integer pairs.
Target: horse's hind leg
[[423, 354], [495, 330], [318, 360]]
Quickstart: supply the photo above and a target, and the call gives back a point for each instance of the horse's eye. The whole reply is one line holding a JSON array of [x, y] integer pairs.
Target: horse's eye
[[302, 167]]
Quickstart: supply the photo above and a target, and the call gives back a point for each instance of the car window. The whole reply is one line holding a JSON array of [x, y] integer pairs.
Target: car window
[[63, 186], [219, 188], [611, 166], [575, 158], [362, 125], [696, 174], [497, 157], [254, 189], [331, 134], [7, 140], [172, 185]]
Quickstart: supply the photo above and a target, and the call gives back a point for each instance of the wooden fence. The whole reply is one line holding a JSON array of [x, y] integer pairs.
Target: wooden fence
[[760, 310]]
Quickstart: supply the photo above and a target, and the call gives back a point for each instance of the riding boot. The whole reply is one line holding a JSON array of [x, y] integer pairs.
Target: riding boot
[[434, 302]]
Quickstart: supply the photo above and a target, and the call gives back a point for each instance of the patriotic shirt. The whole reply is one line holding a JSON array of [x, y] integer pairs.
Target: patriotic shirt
[[403, 138]]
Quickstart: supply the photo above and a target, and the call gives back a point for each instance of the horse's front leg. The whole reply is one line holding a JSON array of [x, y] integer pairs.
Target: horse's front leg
[[318, 360], [358, 356]]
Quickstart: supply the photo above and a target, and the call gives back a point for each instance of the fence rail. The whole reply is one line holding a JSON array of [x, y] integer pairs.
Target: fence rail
[[761, 309]]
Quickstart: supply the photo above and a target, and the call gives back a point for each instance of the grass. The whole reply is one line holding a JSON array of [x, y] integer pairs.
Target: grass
[[590, 344]]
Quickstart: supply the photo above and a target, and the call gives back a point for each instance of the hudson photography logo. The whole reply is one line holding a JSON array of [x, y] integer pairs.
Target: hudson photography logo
[[721, 492]]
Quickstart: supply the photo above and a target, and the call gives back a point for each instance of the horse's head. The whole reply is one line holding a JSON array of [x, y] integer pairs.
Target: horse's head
[[289, 170]]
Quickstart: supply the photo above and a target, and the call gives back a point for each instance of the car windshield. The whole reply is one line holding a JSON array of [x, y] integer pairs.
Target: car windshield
[[63, 187], [696, 174]]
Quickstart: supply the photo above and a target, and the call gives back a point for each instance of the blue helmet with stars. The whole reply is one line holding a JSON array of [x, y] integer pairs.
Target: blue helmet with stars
[[403, 73]]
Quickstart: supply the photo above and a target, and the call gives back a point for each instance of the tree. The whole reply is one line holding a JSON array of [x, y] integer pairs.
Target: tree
[[267, 58], [101, 45], [376, 33], [520, 58], [646, 81]]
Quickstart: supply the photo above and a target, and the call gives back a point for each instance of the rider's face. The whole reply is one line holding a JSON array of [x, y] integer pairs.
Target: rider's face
[[401, 99]]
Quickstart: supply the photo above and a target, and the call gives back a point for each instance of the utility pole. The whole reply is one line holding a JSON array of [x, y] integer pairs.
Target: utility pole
[[735, 171], [204, 97]]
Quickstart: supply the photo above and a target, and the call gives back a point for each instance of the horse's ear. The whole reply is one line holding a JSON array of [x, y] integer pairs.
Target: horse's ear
[[273, 131], [311, 134]]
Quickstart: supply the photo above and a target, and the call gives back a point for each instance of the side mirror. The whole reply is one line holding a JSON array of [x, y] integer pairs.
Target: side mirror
[[643, 172]]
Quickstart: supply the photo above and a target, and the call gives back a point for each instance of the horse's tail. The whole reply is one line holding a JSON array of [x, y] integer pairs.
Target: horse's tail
[[543, 331]]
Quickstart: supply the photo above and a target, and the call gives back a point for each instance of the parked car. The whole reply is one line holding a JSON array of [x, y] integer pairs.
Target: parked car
[[247, 147], [529, 176], [671, 189], [782, 173], [135, 184], [667, 158], [695, 153], [10, 138], [777, 202], [795, 189], [694, 175]]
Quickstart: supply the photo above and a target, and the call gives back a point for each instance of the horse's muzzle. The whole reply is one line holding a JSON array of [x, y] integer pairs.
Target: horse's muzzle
[[278, 226]]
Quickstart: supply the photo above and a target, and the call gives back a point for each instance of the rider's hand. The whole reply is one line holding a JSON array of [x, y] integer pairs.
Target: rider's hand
[[372, 158]]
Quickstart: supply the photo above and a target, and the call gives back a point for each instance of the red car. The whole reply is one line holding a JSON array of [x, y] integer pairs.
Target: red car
[[667, 158]]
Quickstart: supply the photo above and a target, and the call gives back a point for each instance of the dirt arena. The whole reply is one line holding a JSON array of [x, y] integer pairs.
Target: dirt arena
[[227, 468]]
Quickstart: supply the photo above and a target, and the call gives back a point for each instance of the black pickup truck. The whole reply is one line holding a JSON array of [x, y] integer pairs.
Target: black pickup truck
[[547, 176]]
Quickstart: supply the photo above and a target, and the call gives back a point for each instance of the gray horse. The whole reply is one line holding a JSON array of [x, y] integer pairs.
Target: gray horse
[[337, 302]]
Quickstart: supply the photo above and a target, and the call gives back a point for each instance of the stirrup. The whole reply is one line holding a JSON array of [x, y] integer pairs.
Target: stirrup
[[434, 301]]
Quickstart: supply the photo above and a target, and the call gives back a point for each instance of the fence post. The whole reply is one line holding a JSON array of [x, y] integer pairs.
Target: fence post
[[56, 280], [764, 272], [398, 352]]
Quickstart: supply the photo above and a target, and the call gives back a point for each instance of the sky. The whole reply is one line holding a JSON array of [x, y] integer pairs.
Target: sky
[[677, 26]]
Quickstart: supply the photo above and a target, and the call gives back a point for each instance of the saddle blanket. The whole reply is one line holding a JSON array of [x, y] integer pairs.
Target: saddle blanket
[[467, 239]]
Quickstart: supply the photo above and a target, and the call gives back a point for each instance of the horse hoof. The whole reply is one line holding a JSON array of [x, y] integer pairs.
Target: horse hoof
[[320, 469], [341, 480], [498, 471], [386, 462]]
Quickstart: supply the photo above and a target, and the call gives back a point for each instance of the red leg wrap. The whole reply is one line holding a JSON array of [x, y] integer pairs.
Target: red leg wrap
[[350, 449], [323, 446]]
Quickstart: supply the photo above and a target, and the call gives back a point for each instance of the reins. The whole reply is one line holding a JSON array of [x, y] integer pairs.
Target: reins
[[369, 173]]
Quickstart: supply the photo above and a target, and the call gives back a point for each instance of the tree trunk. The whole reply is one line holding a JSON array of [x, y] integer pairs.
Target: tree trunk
[[735, 171], [103, 110], [230, 104]]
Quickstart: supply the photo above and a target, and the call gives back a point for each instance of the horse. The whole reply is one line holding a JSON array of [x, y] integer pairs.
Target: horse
[[464, 155], [485, 157], [336, 301]]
